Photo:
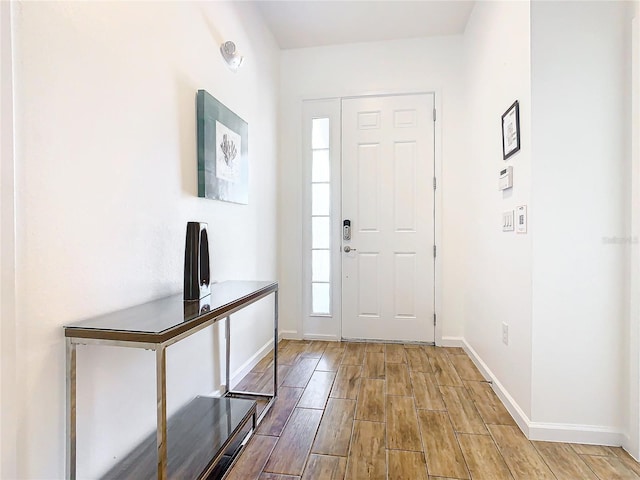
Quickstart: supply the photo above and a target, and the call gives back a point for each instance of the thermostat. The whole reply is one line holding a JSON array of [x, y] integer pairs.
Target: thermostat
[[506, 178]]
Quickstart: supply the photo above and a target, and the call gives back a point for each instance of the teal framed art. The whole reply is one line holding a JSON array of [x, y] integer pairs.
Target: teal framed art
[[223, 158]]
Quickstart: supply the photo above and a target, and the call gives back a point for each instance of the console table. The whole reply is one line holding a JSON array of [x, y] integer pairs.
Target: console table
[[155, 326]]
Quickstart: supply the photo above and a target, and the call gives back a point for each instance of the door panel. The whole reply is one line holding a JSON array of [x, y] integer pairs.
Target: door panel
[[368, 158], [387, 193]]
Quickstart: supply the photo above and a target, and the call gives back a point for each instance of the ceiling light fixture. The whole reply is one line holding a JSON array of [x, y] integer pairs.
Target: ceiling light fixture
[[231, 56]]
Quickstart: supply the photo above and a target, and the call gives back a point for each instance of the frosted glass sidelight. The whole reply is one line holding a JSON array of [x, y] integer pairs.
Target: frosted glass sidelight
[[320, 133], [320, 199], [320, 217], [320, 266], [320, 171], [321, 299], [320, 232]]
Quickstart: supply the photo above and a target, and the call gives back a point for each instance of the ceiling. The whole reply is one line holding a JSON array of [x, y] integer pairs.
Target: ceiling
[[300, 24]]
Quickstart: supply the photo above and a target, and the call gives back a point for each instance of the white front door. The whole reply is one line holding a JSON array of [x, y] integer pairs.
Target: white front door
[[388, 196]]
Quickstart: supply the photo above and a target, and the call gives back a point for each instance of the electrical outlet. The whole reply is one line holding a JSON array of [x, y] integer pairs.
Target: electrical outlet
[[505, 334]]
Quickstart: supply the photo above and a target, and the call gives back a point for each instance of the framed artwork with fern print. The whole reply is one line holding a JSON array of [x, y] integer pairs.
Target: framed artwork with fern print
[[223, 160]]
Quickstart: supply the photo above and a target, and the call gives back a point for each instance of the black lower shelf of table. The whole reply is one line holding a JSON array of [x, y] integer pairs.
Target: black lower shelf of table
[[200, 431]]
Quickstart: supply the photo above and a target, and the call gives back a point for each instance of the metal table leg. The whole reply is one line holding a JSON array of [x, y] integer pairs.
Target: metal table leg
[[227, 338], [275, 345], [71, 409], [161, 393], [270, 398]]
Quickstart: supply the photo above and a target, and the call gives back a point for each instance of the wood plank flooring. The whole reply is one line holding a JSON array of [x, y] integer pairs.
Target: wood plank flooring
[[368, 411]]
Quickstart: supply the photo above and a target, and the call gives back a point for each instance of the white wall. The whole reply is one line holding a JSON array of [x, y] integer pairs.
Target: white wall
[[7, 253], [403, 66], [498, 266], [581, 167], [106, 181], [562, 288]]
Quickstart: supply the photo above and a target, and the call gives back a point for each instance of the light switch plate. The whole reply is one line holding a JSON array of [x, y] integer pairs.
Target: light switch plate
[[507, 221], [521, 219]]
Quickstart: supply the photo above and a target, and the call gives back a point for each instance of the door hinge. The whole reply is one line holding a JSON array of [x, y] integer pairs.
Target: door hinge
[[434, 114], [434, 183], [434, 251], [434, 319]]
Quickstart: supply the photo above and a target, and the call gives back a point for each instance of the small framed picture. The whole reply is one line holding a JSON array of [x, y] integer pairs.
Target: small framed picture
[[511, 130]]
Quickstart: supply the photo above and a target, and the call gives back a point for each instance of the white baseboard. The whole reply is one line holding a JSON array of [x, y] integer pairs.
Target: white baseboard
[[246, 367], [452, 342], [322, 337], [510, 404], [217, 393], [549, 432], [569, 433], [289, 334], [630, 448]]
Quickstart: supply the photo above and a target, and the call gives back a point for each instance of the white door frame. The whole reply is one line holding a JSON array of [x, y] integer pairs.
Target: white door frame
[[8, 352], [632, 441], [437, 204]]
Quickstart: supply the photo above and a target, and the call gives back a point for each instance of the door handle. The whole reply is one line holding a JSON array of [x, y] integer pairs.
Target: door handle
[[348, 249]]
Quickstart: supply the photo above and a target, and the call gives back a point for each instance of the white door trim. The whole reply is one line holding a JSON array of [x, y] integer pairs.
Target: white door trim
[[8, 356], [437, 93], [437, 165], [632, 440]]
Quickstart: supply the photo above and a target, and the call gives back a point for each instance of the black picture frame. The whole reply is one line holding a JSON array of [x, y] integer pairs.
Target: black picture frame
[[511, 130]]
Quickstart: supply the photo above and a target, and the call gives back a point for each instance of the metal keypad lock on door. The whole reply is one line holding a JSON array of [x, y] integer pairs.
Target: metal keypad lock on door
[[346, 230], [346, 235]]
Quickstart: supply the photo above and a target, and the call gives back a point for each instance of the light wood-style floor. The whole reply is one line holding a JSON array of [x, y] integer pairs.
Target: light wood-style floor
[[399, 412]]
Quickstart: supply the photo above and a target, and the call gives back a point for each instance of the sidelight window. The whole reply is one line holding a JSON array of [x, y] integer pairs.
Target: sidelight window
[[320, 217]]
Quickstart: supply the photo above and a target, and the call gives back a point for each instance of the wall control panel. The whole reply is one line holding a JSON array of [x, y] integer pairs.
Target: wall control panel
[[505, 179]]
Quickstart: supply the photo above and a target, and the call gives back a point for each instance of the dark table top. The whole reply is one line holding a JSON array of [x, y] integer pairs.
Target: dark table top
[[160, 320]]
